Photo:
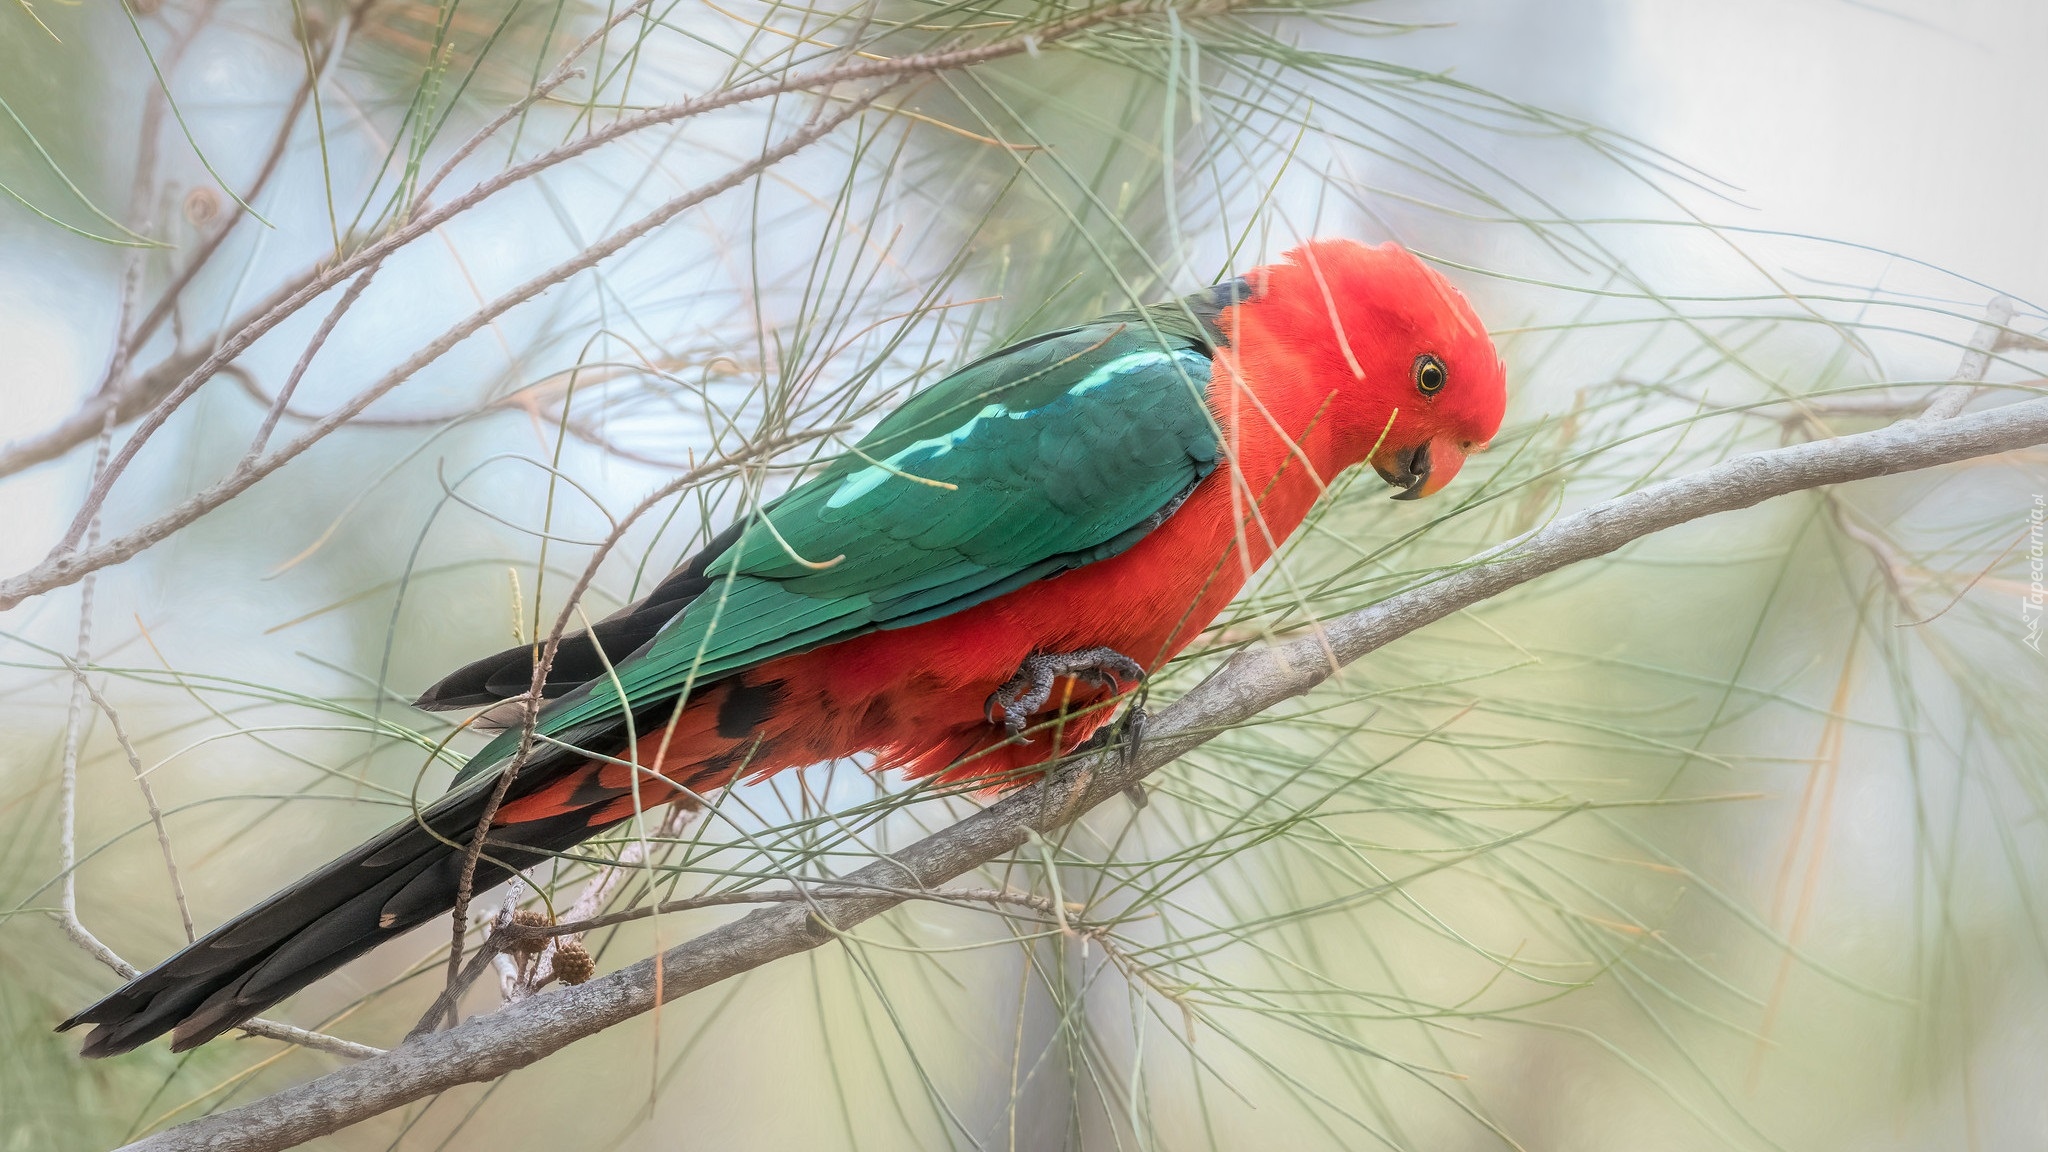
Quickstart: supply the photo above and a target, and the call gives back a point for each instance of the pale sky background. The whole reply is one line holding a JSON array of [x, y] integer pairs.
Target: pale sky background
[[1913, 126]]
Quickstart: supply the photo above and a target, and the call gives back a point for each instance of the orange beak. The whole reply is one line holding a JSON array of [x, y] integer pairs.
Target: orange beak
[[1422, 470]]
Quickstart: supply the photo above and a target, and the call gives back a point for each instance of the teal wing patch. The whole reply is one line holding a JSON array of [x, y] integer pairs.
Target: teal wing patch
[[1036, 459]]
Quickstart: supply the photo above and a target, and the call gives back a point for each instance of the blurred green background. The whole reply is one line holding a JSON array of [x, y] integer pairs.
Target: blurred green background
[[1732, 840]]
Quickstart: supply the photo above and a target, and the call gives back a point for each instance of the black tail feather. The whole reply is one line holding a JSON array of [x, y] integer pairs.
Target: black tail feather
[[385, 887]]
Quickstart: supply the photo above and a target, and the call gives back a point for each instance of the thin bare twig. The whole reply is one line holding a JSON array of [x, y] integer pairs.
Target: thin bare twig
[[1988, 336], [134, 399], [307, 1038], [283, 399], [443, 1007], [156, 813], [1976, 361], [465, 884], [67, 792]]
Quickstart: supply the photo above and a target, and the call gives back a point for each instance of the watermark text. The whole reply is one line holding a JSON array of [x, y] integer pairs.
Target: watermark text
[[2036, 599]]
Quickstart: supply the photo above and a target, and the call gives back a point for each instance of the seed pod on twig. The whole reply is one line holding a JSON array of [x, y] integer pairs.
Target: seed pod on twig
[[573, 963], [530, 945]]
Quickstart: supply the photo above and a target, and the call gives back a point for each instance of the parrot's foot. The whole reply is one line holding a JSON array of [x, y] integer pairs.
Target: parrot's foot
[[1031, 687], [1126, 734]]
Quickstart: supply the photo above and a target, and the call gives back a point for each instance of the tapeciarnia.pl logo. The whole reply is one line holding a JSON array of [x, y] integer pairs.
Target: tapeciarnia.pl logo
[[2037, 573]]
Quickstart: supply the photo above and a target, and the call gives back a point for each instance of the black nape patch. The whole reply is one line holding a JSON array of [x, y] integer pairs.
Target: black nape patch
[[746, 705]]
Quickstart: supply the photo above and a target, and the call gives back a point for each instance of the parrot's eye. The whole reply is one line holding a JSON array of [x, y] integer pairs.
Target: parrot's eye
[[1430, 374]]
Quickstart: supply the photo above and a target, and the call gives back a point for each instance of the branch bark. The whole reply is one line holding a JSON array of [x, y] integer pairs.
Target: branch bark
[[486, 1047]]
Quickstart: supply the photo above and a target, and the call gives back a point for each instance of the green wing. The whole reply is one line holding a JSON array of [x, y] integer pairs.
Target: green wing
[[1039, 458]]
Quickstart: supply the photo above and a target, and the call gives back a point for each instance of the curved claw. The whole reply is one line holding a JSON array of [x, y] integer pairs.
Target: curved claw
[[1026, 692]]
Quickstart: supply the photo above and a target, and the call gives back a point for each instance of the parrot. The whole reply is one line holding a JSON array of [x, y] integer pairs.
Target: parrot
[[964, 596]]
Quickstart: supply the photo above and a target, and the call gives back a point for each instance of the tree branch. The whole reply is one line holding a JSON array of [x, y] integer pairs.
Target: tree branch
[[1976, 361], [486, 1047], [129, 400]]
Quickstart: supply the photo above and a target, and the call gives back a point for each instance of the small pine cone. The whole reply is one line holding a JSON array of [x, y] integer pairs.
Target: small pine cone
[[529, 946], [573, 964]]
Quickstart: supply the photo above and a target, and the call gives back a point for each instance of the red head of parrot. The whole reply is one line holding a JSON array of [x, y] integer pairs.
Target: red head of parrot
[[1412, 380]]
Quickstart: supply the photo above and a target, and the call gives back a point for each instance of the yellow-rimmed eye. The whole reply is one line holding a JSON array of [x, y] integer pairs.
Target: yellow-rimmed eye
[[1430, 374]]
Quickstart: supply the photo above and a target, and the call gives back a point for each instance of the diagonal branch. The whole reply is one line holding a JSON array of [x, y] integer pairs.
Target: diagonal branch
[[133, 398], [486, 1047]]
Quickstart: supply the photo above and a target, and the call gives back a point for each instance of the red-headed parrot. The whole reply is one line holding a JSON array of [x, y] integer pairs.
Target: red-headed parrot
[[963, 594]]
